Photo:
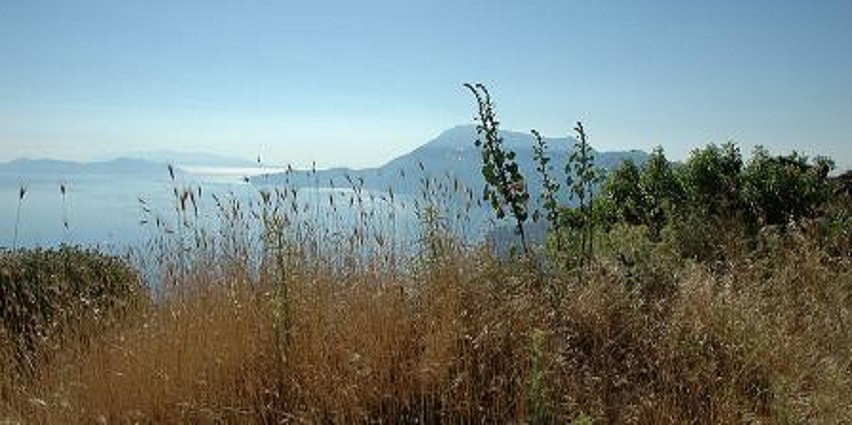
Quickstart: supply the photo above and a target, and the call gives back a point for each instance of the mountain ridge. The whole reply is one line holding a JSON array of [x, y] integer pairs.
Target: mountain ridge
[[452, 154]]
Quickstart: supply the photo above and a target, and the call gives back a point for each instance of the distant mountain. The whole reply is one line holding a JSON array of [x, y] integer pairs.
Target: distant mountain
[[193, 159], [123, 166], [450, 155]]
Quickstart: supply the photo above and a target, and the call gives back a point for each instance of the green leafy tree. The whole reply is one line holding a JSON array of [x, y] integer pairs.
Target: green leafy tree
[[628, 200], [711, 178], [661, 191], [779, 189], [644, 196]]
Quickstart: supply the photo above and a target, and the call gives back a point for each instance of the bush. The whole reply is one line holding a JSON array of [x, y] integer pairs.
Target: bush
[[779, 189], [711, 178], [47, 294]]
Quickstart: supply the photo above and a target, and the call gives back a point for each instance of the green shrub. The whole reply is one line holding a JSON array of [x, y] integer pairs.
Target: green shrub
[[646, 196], [49, 295]]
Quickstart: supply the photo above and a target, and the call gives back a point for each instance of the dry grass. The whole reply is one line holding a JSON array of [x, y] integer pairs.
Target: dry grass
[[460, 336]]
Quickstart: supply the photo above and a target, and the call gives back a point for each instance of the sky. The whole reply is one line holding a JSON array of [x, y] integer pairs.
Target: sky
[[356, 83]]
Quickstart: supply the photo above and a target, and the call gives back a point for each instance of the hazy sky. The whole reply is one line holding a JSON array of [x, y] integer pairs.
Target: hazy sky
[[358, 82]]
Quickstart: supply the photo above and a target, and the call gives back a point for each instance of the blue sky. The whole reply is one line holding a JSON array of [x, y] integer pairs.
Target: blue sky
[[356, 83]]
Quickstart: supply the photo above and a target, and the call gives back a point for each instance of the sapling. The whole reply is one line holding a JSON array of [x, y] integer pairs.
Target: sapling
[[550, 188], [582, 175], [505, 189]]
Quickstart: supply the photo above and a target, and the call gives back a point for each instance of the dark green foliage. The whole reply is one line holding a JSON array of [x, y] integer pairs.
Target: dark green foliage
[[713, 206], [505, 186], [661, 190], [779, 189], [712, 177], [628, 200], [44, 294], [646, 196]]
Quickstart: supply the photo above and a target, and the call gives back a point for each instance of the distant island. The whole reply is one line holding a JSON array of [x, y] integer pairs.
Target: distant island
[[138, 164], [120, 166]]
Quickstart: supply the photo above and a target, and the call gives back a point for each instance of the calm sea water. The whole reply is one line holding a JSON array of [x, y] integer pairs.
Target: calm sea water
[[101, 210], [104, 210]]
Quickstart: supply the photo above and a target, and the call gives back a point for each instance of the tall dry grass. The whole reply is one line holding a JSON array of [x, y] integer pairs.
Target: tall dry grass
[[315, 332]]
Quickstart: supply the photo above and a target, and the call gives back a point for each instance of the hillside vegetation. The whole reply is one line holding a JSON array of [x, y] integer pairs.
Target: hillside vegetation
[[714, 291]]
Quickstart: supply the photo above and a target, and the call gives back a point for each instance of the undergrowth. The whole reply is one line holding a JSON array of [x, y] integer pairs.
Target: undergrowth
[[461, 337]]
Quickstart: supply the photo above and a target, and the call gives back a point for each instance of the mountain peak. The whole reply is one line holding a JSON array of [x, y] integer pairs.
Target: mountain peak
[[462, 136], [451, 153]]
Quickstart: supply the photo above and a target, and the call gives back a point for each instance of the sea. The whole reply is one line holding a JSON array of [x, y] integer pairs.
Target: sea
[[106, 211], [114, 212]]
